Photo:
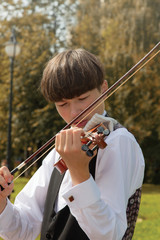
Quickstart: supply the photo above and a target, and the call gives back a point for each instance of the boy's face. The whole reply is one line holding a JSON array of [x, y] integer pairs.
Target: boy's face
[[70, 108]]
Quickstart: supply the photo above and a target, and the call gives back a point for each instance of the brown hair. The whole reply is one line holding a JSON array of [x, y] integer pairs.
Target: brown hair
[[70, 74]]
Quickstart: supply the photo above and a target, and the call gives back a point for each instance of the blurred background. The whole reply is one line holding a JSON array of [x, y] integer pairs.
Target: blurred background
[[119, 32]]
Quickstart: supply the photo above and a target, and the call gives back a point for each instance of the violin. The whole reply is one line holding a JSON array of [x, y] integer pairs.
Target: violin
[[94, 137]]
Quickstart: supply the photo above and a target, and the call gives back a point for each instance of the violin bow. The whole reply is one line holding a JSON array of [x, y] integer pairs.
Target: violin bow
[[148, 57]]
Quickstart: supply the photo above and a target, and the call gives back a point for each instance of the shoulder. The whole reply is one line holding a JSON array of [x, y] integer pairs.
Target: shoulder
[[120, 134], [48, 164], [122, 144]]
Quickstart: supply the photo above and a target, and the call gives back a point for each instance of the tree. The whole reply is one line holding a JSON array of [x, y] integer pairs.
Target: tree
[[38, 30], [124, 33]]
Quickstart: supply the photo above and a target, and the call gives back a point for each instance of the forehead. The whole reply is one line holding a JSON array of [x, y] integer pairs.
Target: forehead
[[74, 98], [92, 93]]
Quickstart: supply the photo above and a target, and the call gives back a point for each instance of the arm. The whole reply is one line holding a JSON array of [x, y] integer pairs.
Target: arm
[[5, 178], [100, 206], [23, 219]]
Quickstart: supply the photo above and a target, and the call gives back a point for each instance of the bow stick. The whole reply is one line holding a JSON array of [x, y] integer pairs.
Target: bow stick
[[96, 103]]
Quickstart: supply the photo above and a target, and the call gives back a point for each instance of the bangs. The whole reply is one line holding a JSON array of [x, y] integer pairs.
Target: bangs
[[71, 74]]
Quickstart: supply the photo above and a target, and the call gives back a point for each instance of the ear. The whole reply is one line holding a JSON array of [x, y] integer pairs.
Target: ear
[[104, 86]]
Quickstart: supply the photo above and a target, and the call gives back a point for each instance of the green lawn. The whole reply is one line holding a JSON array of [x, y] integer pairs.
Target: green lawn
[[148, 224]]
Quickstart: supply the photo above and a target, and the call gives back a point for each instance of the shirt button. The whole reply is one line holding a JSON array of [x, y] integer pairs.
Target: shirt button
[[71, 198]]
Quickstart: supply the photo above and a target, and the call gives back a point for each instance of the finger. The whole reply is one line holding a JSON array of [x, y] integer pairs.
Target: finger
[[57, 140], [60, 141], [5, 173], [77, 137], [3, 183], [69, 139], [7, 191]]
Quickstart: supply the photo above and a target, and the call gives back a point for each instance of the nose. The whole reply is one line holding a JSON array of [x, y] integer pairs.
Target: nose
[[74, 110]]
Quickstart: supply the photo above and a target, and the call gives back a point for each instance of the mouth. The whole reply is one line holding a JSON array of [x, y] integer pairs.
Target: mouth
[[80, 124]]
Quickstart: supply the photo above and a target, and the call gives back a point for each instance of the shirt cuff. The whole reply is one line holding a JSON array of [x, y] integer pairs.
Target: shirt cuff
[[6, 215], [83, 194]]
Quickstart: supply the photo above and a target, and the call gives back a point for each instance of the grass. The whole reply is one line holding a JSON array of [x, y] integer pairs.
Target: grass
[[148, 224]]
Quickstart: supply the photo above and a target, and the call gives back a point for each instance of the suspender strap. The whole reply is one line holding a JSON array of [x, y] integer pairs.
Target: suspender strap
[[55, 182]]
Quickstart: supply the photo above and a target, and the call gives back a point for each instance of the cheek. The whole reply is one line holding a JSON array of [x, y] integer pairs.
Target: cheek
[[99, 109], [59, 110], [63, 113]]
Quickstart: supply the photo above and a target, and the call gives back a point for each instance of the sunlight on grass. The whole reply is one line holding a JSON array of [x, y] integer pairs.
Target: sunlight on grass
[[148, 224]]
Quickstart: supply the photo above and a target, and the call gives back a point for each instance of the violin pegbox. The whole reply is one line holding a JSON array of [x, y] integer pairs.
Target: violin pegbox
[[95, 138]]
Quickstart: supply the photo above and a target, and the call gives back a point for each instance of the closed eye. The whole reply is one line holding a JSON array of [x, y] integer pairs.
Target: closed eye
[[62, 105], [83, 98]]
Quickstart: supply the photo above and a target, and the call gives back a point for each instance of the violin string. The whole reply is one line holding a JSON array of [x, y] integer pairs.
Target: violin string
[[88, 134], [105, 98]]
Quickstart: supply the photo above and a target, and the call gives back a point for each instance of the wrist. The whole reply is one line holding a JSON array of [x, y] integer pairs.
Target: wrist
[[79, 177]]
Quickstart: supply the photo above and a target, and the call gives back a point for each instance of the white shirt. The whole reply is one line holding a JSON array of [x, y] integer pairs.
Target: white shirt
[[99, 206]]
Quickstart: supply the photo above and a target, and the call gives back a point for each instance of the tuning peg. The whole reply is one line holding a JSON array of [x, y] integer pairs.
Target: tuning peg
[[103, 131], [85, 147], [90, 152], [100, 130], [106, 132]]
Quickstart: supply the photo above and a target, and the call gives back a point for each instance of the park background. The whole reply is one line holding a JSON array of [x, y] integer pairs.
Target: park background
[[120, 33]]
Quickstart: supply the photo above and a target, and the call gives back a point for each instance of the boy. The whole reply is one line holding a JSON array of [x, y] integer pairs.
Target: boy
[[93, 195]]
